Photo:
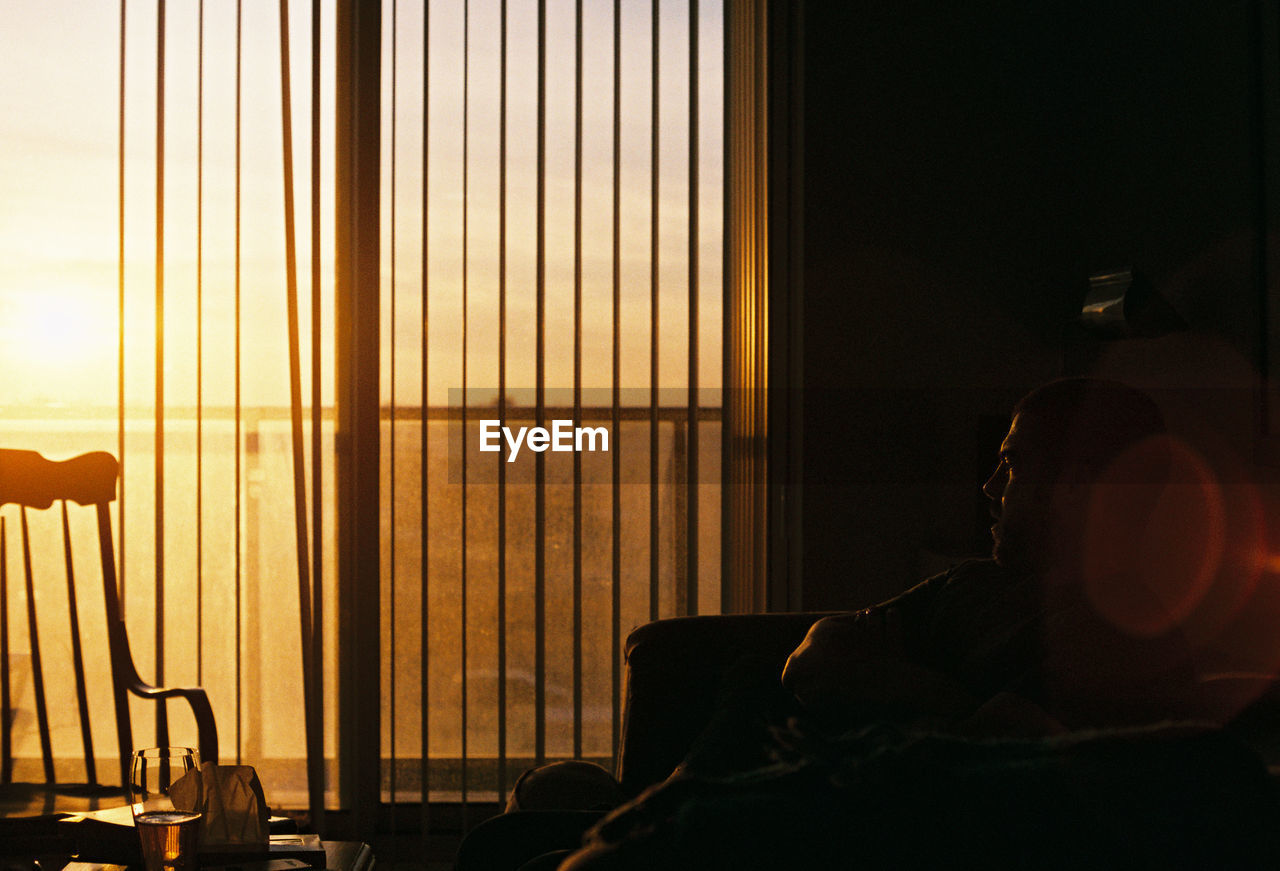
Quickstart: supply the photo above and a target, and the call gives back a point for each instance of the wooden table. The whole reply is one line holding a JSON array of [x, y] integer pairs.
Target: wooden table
[[59, 840], [340, 856]]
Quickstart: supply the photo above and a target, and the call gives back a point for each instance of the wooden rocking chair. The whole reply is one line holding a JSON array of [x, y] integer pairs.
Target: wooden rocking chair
[[32, 482]]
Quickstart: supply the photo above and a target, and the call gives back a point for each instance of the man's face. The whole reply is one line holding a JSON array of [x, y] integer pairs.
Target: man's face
[[1020, 491]]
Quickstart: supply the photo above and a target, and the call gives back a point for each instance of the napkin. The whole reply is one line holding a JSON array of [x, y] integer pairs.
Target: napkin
[[233, 809]]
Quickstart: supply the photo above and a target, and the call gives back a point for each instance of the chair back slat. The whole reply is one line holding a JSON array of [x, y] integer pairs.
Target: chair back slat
[[6, 710], [77, 658], [37, 667], [118, 641]]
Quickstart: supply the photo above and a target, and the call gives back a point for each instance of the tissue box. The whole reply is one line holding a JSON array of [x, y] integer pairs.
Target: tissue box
[[233, 810]]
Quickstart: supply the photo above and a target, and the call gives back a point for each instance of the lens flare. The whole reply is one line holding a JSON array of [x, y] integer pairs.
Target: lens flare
[[1155, 536]]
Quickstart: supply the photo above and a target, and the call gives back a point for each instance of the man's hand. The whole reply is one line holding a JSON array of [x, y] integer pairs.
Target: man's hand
[[834, 644], [855, 666]]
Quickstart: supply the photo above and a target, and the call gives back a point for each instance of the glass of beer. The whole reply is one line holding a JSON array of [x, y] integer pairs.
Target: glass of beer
[[167, 796]]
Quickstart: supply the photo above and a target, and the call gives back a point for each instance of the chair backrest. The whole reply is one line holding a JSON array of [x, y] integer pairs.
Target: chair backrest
[[32, 482]]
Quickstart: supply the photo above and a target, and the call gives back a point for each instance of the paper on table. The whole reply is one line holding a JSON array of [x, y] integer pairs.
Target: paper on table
[[234, 811]]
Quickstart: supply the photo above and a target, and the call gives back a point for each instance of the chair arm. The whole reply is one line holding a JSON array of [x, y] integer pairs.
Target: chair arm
[[674, 669], [198, 699]]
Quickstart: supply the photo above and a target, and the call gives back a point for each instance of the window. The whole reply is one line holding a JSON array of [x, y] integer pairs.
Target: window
[[549, 226]]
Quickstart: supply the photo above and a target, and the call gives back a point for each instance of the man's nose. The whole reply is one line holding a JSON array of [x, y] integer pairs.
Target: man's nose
[[994, 487]]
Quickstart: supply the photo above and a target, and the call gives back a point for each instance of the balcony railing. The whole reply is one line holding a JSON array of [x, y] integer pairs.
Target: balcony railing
[[231, 624]]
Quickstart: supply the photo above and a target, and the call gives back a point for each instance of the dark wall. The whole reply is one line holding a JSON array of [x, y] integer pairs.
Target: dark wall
[[966, 166]]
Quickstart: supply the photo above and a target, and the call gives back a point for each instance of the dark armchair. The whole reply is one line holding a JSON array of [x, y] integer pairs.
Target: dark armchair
[[675, 668], [1160, 796]]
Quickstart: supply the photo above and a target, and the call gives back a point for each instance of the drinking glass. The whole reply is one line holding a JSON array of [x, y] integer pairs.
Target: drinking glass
[[165, 788]]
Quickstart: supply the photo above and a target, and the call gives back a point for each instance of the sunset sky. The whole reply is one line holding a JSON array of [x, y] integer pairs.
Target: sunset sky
[[59, 197]]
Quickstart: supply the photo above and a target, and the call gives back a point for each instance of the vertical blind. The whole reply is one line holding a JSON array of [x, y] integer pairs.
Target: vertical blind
[[551, 198]]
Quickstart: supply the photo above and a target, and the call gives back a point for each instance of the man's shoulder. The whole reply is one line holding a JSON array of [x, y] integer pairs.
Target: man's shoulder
[[982, 580], [975, 571], [972, 575]]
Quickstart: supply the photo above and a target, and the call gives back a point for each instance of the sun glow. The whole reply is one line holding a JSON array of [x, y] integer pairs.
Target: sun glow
[[65, 342], [64, 331]]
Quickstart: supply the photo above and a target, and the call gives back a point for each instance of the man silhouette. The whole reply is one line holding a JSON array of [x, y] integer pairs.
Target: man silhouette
[[1015, 644]]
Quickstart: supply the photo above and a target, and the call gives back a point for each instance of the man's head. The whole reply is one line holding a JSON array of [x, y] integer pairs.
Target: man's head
[[1064, 436]]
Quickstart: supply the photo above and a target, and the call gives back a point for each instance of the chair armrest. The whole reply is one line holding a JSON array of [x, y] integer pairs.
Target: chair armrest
[[674, 669], [206, 727]]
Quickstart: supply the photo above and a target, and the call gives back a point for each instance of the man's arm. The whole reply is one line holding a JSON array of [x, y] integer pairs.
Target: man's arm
[[855, 667], [892, 629], [870, 664]]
